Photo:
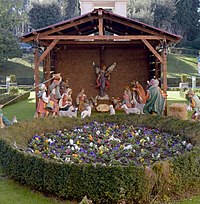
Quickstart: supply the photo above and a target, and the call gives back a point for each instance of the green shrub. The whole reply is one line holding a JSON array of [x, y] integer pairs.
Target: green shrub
[[102, 184], [13, 78], [13, 90], [184, 78], [4, 98]]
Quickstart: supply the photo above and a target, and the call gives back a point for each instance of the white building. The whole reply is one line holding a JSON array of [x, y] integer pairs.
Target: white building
[[117, 6]]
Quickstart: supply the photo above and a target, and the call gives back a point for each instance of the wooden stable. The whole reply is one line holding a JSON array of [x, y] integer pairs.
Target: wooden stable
[[70, 47]]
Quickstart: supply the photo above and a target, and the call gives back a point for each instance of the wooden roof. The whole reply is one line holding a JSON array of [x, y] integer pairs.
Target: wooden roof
[[106, 27]]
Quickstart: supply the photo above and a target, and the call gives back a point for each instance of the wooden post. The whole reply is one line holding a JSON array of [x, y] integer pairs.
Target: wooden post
[[164, 56], [48, 69], [36, 73]]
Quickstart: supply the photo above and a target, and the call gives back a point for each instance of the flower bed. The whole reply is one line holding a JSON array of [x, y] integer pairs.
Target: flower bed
[[109, 144]]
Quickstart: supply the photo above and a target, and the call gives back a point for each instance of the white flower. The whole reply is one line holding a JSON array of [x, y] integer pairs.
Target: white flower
[[184, 142], [51, 141], [128, 147], [76, 147], [98, 132], [91, 144], [67, 159], [72, 148], [71, 142]]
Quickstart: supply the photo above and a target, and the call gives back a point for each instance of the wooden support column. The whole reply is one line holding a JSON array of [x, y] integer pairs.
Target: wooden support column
[[164, 56], [36, 74], [47, 70], [101, 31]]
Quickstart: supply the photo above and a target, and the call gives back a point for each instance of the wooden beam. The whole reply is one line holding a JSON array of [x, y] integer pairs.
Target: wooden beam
[[45, 53], [60, 28], [164, 55], [97, 37], [153, 50], [139, 27], [77, 30], [101, 30], [135, 42], [36, 74], [47, 71]]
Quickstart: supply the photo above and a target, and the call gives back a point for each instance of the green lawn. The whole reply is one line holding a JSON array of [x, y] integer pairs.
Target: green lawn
[[24, 110], [182, 64], [20, 67]]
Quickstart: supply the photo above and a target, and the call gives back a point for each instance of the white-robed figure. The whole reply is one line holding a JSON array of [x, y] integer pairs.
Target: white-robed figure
[[55, 85], [66, 100]]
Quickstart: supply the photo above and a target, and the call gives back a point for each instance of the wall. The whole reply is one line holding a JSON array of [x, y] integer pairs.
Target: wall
[[132, 63]]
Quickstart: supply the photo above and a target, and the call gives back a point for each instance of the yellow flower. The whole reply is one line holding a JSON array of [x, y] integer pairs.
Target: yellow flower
[[141, 160], [78, 142], [37, 152]]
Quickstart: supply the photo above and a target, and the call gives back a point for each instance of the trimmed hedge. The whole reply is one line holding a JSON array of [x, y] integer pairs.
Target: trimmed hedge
[[102, 184], [5, 98]]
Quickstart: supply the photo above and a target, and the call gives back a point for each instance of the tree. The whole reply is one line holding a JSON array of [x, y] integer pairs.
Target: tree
[[164, 11], [44, 13], [141, 10], [186, 19], [71, 9], [10, 12], [9, 47]]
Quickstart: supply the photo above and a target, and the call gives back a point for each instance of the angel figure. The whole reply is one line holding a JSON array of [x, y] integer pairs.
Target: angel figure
[[103, 77]]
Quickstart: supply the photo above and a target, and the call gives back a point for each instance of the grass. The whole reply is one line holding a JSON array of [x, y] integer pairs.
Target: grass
[[24, 110], [20, 67], [182, 64], [22, 195]]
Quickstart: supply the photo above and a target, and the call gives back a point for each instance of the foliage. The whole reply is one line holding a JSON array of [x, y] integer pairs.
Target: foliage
[[102, 184], [184, 78], [44, 13], [9, 47], [141, 10], [13, 78], [186, 19], [13, 90], [11, 13], [71, 9], [4, 98], [164, 11], [177, 16]]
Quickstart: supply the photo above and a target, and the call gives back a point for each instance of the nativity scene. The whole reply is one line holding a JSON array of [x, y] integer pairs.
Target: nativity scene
[[103, 54]]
